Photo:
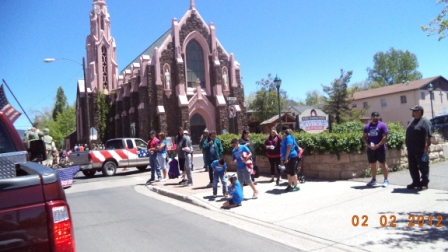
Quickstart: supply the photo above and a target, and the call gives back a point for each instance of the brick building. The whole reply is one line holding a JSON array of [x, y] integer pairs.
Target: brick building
[[180, 80]]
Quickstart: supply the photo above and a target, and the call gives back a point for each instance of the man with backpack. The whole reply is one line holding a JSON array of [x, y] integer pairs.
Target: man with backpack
[[289, 158]]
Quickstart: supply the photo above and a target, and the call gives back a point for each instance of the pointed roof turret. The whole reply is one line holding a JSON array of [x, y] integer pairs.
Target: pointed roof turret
[[192, 5]]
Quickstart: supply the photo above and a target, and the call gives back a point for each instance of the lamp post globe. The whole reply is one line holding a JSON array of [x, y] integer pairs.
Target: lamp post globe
[[278, 83]]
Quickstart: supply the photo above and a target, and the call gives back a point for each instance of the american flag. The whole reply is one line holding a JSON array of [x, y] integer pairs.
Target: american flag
[[66, 175], [6, 108], [142, 153]]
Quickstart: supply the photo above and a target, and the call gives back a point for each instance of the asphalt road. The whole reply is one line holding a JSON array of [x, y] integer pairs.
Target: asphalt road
[[120, 219]]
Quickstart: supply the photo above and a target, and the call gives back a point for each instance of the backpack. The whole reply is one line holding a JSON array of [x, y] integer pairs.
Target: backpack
[[173, 172]]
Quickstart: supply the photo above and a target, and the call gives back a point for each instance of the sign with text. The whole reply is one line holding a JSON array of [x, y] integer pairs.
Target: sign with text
[[313, 121], [231, 98]]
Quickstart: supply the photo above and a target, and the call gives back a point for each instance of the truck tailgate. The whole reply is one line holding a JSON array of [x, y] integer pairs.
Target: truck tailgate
[[80, 158]]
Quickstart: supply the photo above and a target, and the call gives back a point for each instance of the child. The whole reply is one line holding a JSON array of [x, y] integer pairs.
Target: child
[[219, 171], [235, 191], [173, 172]]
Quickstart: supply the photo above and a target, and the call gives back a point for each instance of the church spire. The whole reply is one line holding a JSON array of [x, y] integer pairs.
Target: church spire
[[192, 5]]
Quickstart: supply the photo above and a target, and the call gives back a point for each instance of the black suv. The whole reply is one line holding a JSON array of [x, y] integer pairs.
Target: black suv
[[440, 125]]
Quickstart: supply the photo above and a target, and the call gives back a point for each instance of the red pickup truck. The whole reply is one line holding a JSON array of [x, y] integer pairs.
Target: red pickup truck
[[117, 153], [34, 213]]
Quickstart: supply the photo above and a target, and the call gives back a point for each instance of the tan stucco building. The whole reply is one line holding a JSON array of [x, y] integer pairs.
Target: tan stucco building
[[393, 102]]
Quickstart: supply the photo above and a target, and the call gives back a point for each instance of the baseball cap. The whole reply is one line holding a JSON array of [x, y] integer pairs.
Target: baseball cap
[[152, 132], [186, 132], [375, 114], [417, 107], [206, 131]]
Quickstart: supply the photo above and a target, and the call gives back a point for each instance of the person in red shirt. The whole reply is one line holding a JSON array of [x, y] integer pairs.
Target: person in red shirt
[[272, 146], [153, 162]]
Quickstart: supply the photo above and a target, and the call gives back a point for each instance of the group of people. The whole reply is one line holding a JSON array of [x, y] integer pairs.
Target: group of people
[[418, 141]]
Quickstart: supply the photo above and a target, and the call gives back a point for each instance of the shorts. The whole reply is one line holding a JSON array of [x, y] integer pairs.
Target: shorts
[[376, 155], [291, 166], [243, 176]]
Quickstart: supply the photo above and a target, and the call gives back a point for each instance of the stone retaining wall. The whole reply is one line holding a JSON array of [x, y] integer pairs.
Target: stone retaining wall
[[349, 165]]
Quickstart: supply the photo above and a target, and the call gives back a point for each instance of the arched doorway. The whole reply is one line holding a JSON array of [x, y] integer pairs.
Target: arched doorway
[[197, 126]]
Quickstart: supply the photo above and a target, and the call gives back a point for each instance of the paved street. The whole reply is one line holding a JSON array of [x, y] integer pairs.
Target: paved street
[[322, 216]]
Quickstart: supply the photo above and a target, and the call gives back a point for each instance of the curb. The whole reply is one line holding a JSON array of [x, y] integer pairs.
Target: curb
[[177, 196]]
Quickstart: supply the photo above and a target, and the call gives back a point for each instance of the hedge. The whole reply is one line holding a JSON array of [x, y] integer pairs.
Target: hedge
[[345, 138]]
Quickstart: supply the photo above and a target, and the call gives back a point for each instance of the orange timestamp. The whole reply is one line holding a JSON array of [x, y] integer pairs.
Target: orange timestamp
[[390, 220]]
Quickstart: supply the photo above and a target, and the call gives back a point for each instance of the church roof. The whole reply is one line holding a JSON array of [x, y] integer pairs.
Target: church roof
[[149, 50]]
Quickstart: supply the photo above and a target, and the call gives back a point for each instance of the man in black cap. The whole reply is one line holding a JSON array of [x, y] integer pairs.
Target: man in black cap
[[375, 137], [418, 140]]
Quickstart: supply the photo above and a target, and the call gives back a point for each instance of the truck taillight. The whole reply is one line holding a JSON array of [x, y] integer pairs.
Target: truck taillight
[[61, 227]]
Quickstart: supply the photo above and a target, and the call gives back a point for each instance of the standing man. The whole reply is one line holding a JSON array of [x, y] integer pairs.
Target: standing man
[[375, 137], [418, 140], [204, 138], [153, 162], [49, 147]]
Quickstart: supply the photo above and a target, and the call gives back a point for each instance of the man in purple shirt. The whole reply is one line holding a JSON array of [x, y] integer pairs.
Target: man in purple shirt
[[375, 137]]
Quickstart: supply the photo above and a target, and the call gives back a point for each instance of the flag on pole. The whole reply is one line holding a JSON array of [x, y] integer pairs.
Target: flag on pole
[[6, 108]]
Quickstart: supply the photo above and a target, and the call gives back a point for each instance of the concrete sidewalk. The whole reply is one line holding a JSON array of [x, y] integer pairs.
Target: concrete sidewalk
[[341, 215]]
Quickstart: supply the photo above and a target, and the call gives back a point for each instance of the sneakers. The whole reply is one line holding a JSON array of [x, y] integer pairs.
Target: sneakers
[[424, 188], [214, 196], [295, 189], [164, 179], [210, 185], [149, 181], [288, 188], [226, 195], [386, 183], [189, 184], [272, 180], [372, 182], [182, 181], [255, 196]]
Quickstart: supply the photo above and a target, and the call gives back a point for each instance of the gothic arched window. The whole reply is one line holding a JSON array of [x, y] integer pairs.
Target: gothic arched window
[[195, 64], [104, 65]]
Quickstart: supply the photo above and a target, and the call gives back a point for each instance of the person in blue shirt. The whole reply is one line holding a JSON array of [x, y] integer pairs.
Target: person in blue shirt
[[289, 158], [235, 191], [242, 172], [219, 172], [213, 149]]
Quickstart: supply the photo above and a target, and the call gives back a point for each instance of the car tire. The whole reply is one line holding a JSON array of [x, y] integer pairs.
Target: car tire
[[89, 173], [142, 168], [109, 168]]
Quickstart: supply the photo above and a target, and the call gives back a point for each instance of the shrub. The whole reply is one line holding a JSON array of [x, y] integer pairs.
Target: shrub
[[347, 137]]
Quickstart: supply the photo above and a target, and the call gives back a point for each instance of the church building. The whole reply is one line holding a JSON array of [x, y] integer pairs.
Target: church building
[[183, 79]]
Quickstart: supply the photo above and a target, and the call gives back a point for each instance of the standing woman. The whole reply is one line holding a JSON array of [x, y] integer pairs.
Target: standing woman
[[213, 149], [181, 140], [161, 155], [272, 146], [245, 140]]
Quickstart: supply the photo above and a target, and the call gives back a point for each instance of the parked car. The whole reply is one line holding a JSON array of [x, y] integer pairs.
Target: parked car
[[440, 125], [117, 153], [34, 213]]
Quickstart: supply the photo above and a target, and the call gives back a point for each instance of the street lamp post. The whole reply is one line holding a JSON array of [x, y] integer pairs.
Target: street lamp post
[[49, 60], [430, 89], [278, 82]]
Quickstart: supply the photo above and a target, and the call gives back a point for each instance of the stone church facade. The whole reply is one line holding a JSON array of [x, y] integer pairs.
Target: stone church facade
[[183, 79]]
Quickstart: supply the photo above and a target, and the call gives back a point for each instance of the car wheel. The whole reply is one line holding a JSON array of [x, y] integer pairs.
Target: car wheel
[[142, 168], [109, 168], [89, 173]]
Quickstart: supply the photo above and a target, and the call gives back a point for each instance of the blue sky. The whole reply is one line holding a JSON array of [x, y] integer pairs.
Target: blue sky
[[305, 42]]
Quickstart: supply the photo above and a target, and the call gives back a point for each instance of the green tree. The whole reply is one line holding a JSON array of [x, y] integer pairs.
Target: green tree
[[439, 24], [103, 113], [265, 101], [393, 67], [64, 124], [314, 97], [61, 103], [338, 101]]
